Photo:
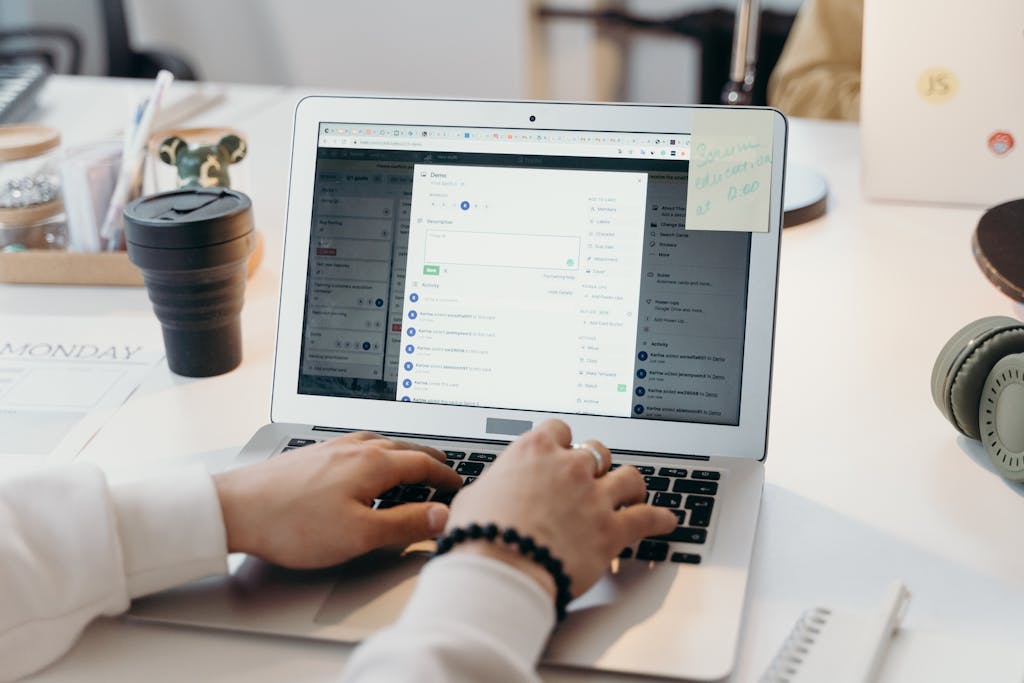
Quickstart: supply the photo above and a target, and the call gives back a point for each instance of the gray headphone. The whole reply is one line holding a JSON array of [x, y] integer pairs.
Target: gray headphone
[[978, 384]]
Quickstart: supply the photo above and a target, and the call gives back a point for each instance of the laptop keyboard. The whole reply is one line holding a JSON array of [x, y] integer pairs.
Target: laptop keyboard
[[688, 493]]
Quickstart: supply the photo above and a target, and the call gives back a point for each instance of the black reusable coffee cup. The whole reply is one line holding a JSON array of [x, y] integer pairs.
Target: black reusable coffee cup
[[192, 246]]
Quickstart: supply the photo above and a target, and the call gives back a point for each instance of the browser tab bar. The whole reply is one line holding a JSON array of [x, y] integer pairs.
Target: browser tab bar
[[667, 146]]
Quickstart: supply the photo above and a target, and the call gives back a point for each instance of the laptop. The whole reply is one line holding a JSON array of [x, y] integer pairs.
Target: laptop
[[942, 102], [456, 272]]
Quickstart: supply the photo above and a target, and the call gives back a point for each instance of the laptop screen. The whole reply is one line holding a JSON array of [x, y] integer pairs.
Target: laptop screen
[[541, 270]]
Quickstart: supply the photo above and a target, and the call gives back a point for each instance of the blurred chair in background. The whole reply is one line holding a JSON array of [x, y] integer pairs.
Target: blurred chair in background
[[124, 61], [57, 48], [61, 47]]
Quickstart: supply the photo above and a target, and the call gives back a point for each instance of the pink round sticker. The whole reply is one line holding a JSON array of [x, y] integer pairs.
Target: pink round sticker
[[1000, 142]]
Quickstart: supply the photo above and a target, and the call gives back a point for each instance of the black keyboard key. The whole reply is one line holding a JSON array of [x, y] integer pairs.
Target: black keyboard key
[[645, 469], [705, 488], [299, 443], [701, 517], [667, 500], [698, 502], [681, 514], [655, 551], [468, 480], [615, 466], [391, 494], [672, 537], [700, 507], [626, 553], [656, 483], [707, 474], [482, 457], [385, 504], [688, 558], [472, 469], [684, 534], [449, 463], [414, 494], [672, 472], [443, 497], [455, 455]]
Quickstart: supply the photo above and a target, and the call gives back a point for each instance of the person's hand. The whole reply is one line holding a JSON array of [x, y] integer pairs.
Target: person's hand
[[310, 507], [545, 489]]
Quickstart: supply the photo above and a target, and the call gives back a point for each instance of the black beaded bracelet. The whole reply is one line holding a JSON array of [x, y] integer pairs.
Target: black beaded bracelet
[[527, 548]]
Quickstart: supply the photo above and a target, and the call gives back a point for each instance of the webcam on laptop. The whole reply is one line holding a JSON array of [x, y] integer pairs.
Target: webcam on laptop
[[978, 384]]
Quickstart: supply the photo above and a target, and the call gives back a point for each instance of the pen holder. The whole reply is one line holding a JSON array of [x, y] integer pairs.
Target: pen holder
[[88, 176]]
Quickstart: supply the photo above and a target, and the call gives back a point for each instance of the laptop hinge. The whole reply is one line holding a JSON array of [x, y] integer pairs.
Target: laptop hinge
[[685, 456], [410, 435], [462, 439]]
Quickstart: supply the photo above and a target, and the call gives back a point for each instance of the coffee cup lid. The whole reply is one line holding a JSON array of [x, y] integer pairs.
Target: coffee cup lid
[[188, 218]]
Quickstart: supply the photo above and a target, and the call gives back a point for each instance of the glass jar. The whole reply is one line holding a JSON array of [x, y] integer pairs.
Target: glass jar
[[31, 212]]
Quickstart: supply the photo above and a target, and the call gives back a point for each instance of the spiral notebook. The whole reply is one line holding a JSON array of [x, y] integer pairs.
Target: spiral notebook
[[840, 647]]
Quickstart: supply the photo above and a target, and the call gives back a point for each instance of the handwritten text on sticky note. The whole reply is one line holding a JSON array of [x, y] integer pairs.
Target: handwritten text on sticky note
[[729, 187]]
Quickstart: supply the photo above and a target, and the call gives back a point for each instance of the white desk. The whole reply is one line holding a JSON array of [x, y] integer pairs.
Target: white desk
[[865, 481]]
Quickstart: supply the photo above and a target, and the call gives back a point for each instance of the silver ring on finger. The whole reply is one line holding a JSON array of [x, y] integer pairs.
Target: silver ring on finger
[[599, 464]]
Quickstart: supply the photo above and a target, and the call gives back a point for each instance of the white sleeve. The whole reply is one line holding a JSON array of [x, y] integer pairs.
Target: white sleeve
[[470, 619], [73, 548]]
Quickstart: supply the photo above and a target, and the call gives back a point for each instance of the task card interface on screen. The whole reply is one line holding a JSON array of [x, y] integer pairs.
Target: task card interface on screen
[[521, 288], [354, 304]]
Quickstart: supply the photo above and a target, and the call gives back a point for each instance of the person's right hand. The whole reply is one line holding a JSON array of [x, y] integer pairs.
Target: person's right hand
[[545, 489]]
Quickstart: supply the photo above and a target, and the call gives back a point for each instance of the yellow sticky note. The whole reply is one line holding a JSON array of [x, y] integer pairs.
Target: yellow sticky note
[[729, 187]]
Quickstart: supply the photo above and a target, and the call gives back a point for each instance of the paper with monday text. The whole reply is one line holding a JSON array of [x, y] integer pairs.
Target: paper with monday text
[[61, 378]]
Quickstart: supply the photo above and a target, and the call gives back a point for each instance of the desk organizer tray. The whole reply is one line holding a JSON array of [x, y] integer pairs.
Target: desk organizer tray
[[47, 267]]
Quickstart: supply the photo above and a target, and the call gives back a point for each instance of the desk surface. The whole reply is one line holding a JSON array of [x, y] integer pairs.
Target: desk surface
[[865, 482]]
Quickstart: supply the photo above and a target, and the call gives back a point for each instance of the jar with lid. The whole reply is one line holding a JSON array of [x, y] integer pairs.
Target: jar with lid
[[31, 212]]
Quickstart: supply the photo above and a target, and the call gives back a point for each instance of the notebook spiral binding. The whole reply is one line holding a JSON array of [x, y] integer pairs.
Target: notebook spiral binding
[[839, 646], [797, 646]]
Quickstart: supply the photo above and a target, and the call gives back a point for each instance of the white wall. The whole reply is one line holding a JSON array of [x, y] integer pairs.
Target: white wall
[[479, 48], [450, 47]]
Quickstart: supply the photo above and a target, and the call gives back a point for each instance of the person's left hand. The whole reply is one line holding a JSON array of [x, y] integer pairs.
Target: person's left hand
[[310, 507]]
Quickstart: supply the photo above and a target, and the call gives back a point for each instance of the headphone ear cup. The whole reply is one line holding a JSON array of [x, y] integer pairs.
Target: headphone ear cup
[[1001, 416], [964, 364]]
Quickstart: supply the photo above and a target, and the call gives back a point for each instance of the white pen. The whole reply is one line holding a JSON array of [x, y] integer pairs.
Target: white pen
[[131, 162]]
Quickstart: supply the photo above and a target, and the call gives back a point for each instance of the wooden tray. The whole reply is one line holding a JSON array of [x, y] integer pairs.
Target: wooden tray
[[43, 267]]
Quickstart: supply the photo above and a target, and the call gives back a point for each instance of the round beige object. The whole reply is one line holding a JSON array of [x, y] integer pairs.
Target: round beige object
[[24, 141], [28, 215]]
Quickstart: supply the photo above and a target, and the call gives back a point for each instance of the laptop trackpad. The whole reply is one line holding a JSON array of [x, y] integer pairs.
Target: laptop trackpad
[[373, 591]]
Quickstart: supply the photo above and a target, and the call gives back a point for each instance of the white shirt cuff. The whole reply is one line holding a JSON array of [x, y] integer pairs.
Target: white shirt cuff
[[171, 528], [488, 594]]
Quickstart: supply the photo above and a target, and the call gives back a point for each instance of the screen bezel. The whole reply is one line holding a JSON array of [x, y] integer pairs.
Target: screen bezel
[[747, 440]]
